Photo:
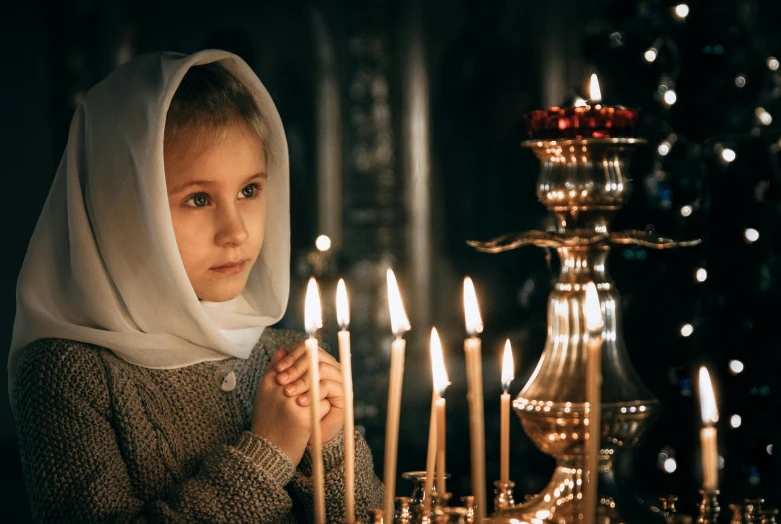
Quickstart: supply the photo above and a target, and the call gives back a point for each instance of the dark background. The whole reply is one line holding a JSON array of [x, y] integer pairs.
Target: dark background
[[486, 63]]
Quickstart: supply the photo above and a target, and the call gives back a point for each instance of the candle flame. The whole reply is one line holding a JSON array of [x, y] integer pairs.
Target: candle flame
[[508, 369], [342, 305], [438, 371], [592, 309], [399, 322], [474, 324], [313, 316], [710, 413], [596, 93]]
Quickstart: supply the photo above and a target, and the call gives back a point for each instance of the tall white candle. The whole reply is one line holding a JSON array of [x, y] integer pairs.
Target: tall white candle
[[441, 445], [708, 435], [313, 320], [441, 382], [474, 367], [343, 318], [508, 372], [399, 324], [431, 456], [593, 321]]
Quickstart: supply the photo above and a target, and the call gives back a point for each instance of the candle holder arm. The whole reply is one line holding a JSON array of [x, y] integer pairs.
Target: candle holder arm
[[649, 239], [510, 241], [577, 238]]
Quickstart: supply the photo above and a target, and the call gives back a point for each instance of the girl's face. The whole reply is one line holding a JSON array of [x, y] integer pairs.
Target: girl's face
[[218, 207]]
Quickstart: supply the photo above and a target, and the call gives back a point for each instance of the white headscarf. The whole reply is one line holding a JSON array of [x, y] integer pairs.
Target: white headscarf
[[103, 266]]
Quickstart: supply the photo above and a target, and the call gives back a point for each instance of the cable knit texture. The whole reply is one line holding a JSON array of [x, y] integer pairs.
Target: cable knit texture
[[104, 440]]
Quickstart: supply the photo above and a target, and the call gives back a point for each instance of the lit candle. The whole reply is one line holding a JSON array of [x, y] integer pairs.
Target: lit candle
[[399, 324], [710, 416], [313, 320], [441, 382], [508, 373], [474, 375], [343, 318], [595, 93], [593, 317], [586, 119]]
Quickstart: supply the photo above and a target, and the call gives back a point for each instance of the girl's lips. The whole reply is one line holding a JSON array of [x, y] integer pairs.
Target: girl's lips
[[230, 269]]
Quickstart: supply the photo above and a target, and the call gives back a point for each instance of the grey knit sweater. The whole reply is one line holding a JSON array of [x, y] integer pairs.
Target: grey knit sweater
[[105, 440]]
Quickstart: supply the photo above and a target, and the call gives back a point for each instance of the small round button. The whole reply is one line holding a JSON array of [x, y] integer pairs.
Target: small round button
[[226, 379]]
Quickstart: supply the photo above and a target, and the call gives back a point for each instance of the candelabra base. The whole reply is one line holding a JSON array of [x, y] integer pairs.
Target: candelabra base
[[561, 502]]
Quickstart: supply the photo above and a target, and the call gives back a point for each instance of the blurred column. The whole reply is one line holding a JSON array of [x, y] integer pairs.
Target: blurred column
[[416, 149], [328, 134], [561, 61], [373, 208]]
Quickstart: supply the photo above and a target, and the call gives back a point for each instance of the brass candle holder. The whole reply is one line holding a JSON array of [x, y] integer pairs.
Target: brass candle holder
[[709, 507], [503, 495], [583, 183]]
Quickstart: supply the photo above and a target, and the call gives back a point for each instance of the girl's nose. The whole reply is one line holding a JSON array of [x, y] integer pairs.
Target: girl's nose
[[231, 229]]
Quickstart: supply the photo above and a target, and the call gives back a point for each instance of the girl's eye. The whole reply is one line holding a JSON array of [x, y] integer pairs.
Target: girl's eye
[[198, 200], [250, 191]]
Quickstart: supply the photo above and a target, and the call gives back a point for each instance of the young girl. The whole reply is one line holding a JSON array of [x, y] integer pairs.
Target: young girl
[[145, 382]]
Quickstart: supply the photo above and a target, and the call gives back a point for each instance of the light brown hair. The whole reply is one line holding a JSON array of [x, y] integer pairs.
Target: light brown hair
[[208, 99]]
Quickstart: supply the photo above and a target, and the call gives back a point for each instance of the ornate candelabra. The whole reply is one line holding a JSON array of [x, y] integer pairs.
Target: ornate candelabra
[[583, 182]]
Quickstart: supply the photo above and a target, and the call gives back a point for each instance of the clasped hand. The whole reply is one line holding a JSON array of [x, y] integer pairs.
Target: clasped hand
[[281, 410]]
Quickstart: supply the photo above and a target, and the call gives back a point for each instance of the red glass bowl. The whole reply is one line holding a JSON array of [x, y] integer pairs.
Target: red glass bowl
[[597, 121]]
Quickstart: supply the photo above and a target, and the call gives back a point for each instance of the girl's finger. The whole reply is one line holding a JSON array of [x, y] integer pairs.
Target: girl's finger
[[279, 355], [299, 351], [330, 371], [296, 377], [333, 392], [294, 371], [329, 390], [288, 361], [327, 357], [325, 409], [298, 387]]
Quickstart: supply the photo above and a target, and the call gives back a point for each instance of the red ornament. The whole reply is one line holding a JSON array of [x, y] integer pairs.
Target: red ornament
[[589, 121]]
